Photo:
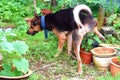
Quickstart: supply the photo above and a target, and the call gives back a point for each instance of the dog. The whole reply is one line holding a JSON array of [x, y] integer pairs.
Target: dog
[[71, 24]]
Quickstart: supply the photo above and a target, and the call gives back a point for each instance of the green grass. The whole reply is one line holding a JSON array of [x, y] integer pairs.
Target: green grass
[[41, 52]]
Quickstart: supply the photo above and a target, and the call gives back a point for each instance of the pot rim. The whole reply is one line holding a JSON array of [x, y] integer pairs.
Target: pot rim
[[85, 52], [18, 77], [95, 54], [113, 62], [109, 45]]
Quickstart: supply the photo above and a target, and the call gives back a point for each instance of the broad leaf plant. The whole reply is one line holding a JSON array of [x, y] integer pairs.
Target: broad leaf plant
[[12, 53]]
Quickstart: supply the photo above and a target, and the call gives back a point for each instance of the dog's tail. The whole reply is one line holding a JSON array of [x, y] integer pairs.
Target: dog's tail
[[76, 12]]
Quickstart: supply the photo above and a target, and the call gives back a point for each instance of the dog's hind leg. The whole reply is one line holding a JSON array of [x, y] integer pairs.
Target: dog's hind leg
[[98, 33], [77, 39]]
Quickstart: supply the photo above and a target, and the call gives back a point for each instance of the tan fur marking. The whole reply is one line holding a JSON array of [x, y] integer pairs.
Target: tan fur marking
[[98, 33], [61, 38]]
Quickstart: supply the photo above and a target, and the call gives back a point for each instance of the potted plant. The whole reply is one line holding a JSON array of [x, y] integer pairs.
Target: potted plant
[[89, 41], [101, 57], [0, 58], [45, 11], [14, 65], [115, 66]]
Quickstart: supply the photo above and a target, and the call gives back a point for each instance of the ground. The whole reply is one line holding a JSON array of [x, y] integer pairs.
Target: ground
[[65, 68]]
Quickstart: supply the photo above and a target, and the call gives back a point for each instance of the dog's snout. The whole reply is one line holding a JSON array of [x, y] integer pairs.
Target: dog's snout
[[31, 33], [27, 32]]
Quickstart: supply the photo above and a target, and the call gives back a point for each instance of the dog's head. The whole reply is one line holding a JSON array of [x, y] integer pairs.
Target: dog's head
[[34, 24]]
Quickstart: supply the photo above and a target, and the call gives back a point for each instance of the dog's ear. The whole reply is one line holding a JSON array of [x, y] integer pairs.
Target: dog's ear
[[28, 21], [36, 15]]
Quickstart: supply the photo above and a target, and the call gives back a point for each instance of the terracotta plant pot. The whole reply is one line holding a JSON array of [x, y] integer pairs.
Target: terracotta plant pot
[[46, 11], [101, 57], [86, 57], [114, 66]]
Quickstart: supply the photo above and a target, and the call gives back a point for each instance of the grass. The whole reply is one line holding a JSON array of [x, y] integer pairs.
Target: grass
[[41, 53]]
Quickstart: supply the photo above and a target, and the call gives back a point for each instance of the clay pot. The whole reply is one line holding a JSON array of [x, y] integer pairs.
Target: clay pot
[[101, 57], [86, 57], [46, 11], [114, 66]]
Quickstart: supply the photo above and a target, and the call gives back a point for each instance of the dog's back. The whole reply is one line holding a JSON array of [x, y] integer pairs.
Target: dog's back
[[63, 20]]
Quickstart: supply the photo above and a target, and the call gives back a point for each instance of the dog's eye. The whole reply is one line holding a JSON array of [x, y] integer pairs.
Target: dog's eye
[[34, 23]]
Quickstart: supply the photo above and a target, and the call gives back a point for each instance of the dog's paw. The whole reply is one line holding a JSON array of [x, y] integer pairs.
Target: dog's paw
[[102, 39], [80, 72], [56, 55]]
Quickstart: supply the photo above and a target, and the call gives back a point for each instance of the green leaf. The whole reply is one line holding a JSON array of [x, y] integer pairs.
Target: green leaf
[[97, 39], [20, 47], [21, 65], [7, 46], [17, 73], [7, 71], [90, 41]]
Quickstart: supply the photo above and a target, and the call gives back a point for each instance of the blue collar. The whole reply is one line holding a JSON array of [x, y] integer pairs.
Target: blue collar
[[43, 25]]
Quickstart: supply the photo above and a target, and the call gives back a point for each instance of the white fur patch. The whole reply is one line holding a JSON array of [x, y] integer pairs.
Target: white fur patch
[[76, 11]]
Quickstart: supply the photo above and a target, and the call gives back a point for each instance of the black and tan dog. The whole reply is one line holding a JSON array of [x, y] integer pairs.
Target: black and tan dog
[[71, 24]]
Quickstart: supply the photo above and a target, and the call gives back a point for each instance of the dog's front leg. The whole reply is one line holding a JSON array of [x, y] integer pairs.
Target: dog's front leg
[[69, 43], [77, 39], [61, 40]]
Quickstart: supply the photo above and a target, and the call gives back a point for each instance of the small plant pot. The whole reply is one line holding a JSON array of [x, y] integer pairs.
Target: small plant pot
[[114, 66], [46, 11], [24, 76], [86, 57], [101, 57]]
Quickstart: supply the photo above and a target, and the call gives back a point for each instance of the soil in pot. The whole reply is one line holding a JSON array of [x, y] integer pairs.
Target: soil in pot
[[114, 66], [101, 57], [104, 50], [86, 57]]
